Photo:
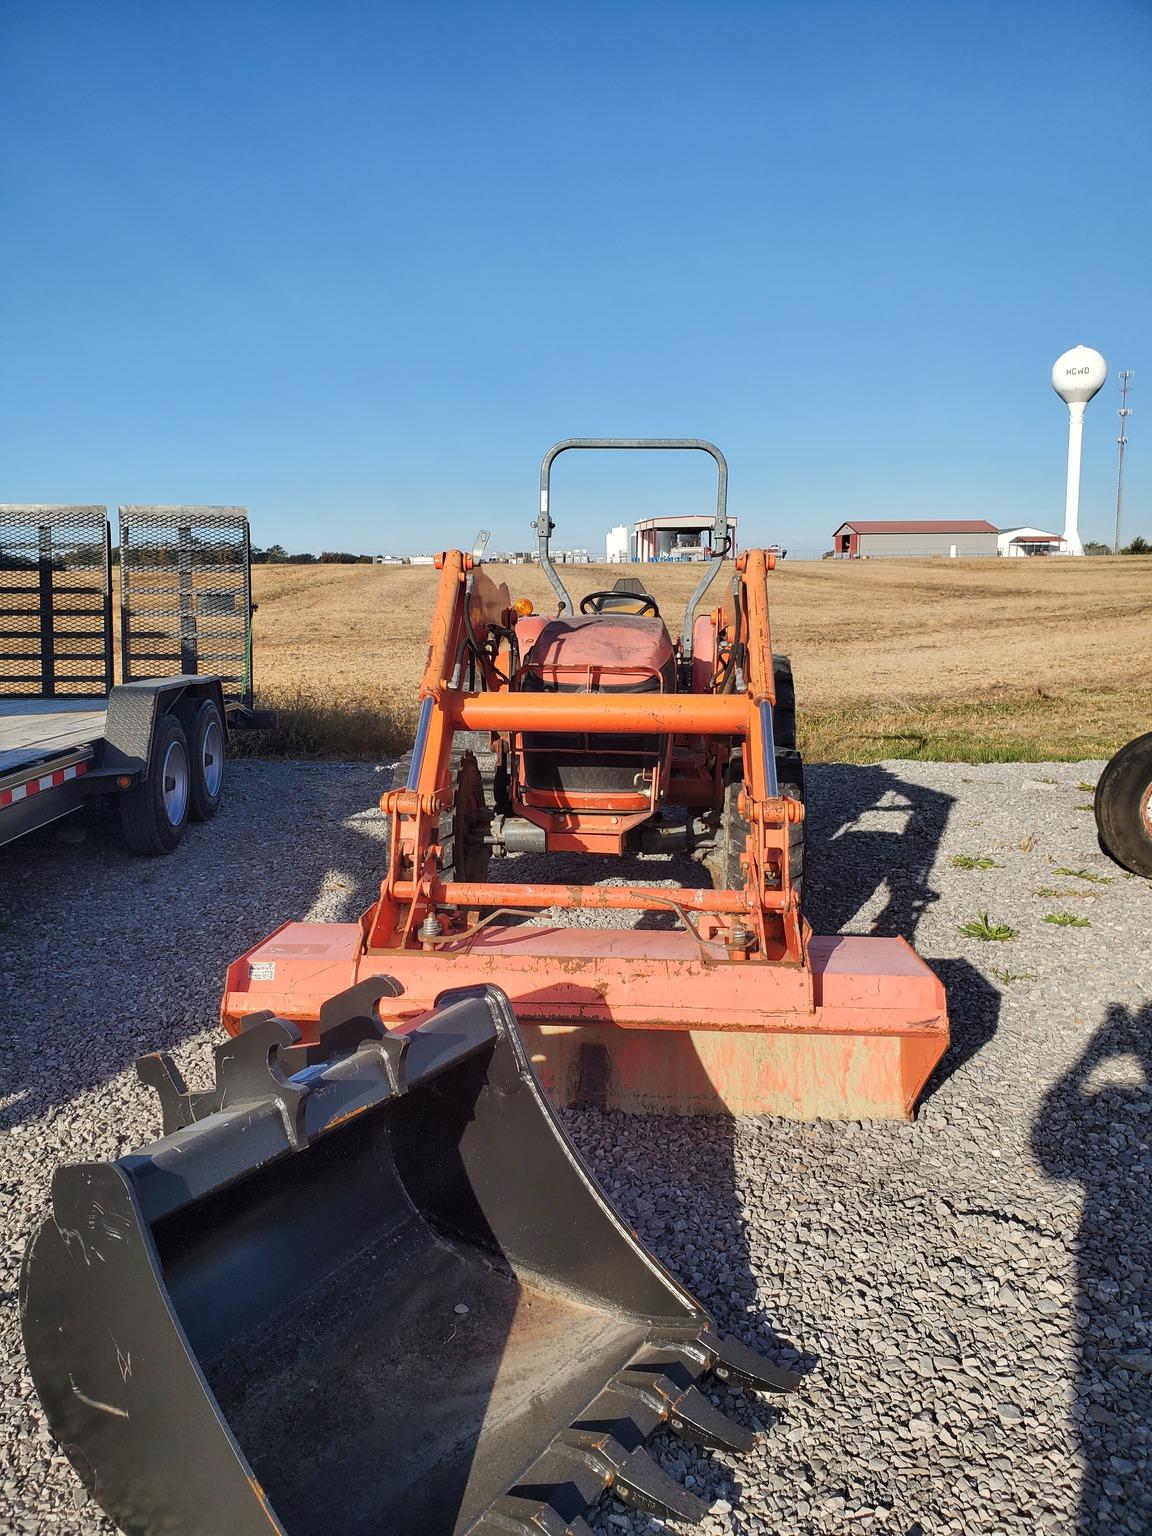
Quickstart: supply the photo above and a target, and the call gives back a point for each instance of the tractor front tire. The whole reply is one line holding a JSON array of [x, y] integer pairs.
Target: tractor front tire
[[1124, 807], [723, 862], [154, 813]]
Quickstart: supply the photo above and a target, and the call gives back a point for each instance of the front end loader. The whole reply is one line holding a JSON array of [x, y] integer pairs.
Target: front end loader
[[607, 735]]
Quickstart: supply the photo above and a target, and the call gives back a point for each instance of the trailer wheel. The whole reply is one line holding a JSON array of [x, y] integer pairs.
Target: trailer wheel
[[209, 745], [1124, 807], [154, 814]]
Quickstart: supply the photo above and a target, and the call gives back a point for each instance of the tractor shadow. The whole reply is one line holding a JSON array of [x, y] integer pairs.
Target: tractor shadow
[[872, 842], [870, 831], [1093, 1129]]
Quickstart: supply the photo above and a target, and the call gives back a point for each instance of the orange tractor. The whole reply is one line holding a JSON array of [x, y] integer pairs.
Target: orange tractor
[[606, 736]]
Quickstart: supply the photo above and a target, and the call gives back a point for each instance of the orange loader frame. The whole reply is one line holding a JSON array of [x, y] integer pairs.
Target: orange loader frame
[[736, 1008]]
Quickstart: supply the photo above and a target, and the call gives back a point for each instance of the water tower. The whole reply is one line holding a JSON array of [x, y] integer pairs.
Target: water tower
[[1076, 376]]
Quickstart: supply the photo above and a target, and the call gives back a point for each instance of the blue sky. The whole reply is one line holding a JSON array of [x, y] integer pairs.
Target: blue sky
[[356, 265]]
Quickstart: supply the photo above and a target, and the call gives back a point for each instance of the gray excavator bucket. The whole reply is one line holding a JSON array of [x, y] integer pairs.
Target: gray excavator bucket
[[371, 1290]]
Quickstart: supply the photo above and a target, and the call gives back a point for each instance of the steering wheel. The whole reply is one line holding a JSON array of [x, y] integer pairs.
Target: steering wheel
[[594, 602]]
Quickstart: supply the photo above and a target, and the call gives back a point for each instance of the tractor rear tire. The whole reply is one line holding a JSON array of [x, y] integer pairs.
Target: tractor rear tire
[[790, 781], [784, 714], [1124, 807]]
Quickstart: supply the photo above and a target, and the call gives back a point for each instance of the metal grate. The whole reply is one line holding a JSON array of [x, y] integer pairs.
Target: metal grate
[[55, 602], [186, 594]]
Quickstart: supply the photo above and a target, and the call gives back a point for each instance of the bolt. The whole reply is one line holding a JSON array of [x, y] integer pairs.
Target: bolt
[[429, 928]]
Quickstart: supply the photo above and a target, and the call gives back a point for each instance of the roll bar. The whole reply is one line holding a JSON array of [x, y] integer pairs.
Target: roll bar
[[544, 524]]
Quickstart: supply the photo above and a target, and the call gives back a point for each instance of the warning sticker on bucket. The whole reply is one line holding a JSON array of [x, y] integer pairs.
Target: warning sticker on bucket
[[261, 970]]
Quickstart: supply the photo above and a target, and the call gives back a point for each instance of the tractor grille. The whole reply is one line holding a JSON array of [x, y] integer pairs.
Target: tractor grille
[[587, 762], [186, 597], [55, 602]]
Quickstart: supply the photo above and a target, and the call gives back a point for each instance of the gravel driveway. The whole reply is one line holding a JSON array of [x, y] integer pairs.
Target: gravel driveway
[[970, 1296]]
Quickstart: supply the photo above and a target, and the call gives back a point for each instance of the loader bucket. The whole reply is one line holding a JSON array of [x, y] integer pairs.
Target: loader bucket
[[370, 1289]]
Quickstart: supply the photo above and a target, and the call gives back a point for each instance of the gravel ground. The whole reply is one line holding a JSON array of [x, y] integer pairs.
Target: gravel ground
[[970, 1297]]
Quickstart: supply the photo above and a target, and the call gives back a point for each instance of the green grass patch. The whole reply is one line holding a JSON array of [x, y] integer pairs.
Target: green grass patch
[[1012, 726], [1086, 788], [1086, 874], [1009, 976], [982, 927], [1066, 920], [973, 861]]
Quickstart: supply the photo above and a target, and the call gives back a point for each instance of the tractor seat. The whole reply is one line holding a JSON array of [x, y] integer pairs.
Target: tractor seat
[[604, 652]]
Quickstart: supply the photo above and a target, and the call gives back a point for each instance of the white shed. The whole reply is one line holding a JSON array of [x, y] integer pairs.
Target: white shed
[[1028, 541]]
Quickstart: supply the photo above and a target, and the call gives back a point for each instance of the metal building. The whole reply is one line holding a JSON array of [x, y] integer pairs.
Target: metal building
[[677, 538], [860, 540], [1030, 541]]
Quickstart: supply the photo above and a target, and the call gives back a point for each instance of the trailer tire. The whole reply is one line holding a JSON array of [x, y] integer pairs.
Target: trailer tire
[[1124, 807], [208, 743], [154, 813]]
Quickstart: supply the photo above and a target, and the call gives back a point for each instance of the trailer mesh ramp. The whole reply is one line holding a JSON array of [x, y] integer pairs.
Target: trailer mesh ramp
[[366, 1287], [186, 594], [55, 602]]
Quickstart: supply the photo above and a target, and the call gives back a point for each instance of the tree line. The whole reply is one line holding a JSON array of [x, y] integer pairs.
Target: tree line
[[276, 554], [1138, 546]]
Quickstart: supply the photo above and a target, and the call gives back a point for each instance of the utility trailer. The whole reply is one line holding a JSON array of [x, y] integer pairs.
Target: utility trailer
[[157, 738]]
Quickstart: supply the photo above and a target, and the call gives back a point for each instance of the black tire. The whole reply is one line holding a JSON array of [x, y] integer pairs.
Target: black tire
[[154, 813], [208, 746], [790, 780], [784, 714], [724, 862], [1124, 807]]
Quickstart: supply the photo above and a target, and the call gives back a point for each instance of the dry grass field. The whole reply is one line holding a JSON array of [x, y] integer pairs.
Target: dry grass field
[[957, 660]]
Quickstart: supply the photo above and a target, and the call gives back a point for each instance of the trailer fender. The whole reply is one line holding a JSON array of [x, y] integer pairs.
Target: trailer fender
[[134, 710]]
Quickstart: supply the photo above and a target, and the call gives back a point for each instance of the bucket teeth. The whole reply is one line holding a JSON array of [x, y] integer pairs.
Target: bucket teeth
[[737, 1363], [686, 1410], [641, 1484], [632, 1475], [696, 1420]]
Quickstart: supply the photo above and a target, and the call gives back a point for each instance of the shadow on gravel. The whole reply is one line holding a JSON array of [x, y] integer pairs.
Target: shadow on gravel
[[1094, 1128], [973, 1017], [845, 865], [691, 1189], [107, 956]]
